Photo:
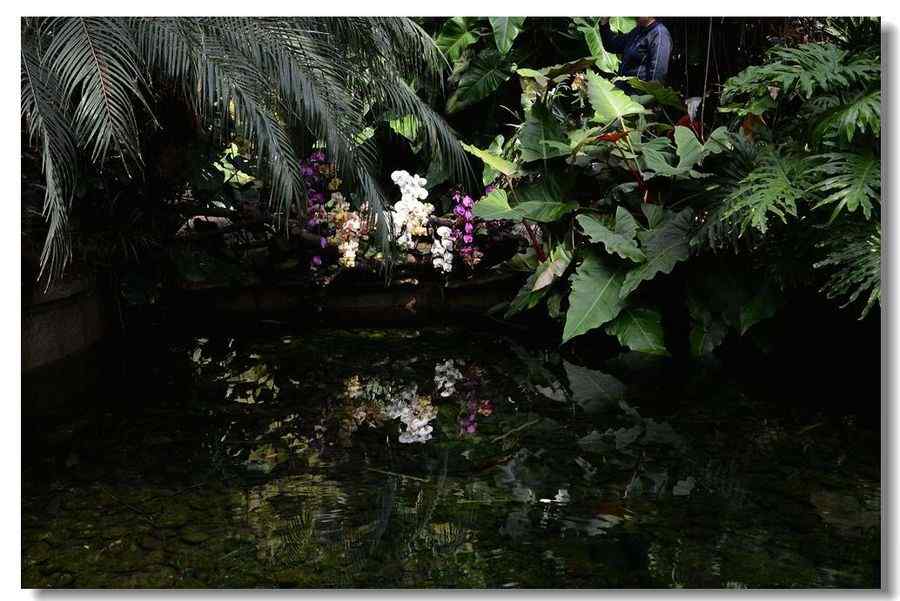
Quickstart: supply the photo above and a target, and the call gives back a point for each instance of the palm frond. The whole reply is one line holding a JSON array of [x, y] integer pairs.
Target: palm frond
[[48, 127], [95, 61], [271, 79]]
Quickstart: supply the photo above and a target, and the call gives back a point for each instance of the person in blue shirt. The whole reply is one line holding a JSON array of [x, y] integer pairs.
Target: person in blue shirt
[[645, 49]]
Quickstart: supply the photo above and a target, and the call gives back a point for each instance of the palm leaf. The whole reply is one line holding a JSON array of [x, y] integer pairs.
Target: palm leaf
[[95, 61], [48, 126]]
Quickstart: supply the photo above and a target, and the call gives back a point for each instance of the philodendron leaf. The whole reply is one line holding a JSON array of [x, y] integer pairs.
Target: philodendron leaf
[[706, 336], [594, 299], [541, 127], [544, 212], [718, 141], [707, 330], [640, 330], [494, 206], [661, 93], [664, 245], [553, 268], [622, 24], [605, 61], [689, 151], [762, 305], [609, 102], [653, 213], [527, 298], [496, 148], [615, 242], [455, 36], [505, 31], [487, 72], [626, 225], [495, 162]]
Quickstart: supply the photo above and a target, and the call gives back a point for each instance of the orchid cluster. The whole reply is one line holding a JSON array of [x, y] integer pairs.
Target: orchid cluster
[[472, 405], [464, 229], [410, 214], [349, 228], [446, 376], [441, 250], [333, 219], [381, 401], [320, 179], [415, 412], [468, 421]]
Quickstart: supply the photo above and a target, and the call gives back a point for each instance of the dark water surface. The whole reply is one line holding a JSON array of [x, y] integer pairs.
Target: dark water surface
[[444, 458]]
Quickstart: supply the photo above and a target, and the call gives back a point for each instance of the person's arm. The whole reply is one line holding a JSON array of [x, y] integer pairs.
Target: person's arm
[[660, 52], [612, 42]]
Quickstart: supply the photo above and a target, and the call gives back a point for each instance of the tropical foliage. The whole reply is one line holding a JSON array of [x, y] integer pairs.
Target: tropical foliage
[[619, 195], [91, 86], [622, 209], [819, 174]]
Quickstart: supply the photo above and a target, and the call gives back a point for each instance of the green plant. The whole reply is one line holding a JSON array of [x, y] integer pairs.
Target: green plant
[[590, 167], [90, 87], [819, 170]]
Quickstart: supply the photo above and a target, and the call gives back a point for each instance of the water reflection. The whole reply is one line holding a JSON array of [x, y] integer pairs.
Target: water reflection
[[431, 458]]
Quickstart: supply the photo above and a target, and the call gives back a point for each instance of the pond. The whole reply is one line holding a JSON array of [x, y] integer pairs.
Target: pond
[[441, 457]]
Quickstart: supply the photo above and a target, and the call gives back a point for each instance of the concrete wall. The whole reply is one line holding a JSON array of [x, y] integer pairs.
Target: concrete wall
[[64, 321]]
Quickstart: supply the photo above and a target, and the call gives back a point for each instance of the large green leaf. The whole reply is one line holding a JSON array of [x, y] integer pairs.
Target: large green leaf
[[707, 330], [689, 151], [541, 127], [762, 305], [861, 114], [705, 336], [609, 102], [554, 267], [487, 72], [687, 147], [614, 242], [495, 162], [853, 181], [665, 245], [505, 31], [527, 297], [605, 61], [545, 212], [626, 225], [553, 187], [455, 36], [544, 201], [594, 299], [622, 24], [489, 174], [494, 206], [776, 185], [661, 93], [640, 330]]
